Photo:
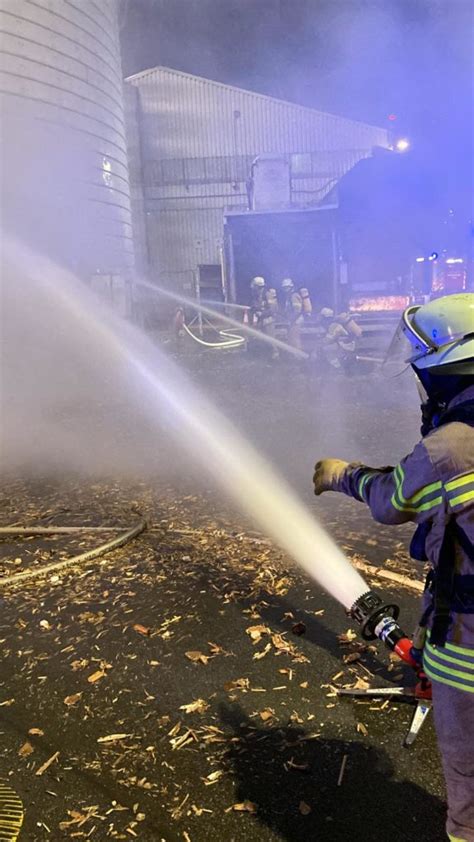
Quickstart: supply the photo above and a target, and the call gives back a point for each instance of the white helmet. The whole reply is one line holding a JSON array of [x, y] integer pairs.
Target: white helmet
[[258, 281], [327, 313], [287, 283], [437, 335]]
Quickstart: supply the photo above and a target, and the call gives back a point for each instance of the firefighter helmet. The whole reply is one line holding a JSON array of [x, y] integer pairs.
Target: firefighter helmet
[[258, 281], [438, 336], [287, 283]]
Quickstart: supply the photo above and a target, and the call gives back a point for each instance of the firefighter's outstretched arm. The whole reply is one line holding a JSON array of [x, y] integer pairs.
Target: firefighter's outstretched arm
[[411, 491]]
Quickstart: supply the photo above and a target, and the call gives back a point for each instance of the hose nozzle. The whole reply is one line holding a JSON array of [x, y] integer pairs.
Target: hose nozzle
[[369, 610], [378, 619]]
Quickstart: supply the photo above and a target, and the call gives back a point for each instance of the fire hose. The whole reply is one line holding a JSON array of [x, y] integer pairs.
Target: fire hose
[[231, 340], [55, 566]]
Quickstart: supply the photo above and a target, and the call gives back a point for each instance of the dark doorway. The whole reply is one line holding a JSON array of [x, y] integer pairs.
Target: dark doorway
[[210, 282], [296, 244]]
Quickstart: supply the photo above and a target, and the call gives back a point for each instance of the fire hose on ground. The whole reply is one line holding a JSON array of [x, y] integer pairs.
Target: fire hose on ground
[[89, 555]]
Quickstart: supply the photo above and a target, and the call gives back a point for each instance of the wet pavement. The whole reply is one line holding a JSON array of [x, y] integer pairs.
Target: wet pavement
[[167, 682]]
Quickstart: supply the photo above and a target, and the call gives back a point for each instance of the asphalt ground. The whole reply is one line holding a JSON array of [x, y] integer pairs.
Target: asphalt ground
[[183, 686]]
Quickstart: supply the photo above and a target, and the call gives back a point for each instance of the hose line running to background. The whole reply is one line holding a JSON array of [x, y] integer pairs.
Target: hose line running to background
[[113, 544]]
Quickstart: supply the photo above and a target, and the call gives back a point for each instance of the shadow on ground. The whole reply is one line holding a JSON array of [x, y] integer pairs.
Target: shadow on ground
[[306, 803]]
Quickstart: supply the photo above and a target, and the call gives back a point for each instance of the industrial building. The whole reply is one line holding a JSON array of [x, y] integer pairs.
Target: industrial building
[[191, 147]]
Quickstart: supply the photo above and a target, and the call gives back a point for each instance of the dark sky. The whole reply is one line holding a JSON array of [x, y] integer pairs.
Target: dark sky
[[363, 59]]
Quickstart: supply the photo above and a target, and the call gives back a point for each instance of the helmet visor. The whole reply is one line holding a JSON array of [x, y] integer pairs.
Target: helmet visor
[[411, 346], [407, 345]]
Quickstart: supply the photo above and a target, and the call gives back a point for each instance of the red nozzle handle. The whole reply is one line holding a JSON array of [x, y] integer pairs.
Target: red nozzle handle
[[403, 648]]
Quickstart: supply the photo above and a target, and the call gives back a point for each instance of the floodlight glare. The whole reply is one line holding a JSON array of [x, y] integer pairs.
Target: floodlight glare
[[402, 145]]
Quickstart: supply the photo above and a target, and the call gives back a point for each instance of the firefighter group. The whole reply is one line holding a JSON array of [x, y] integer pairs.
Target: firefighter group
[[335, 334]]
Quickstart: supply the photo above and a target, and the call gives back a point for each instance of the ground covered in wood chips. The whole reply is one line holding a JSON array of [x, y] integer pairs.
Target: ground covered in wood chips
[[182, 687]]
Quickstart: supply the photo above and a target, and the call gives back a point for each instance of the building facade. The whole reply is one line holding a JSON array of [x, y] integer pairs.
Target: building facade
[[192, 145]]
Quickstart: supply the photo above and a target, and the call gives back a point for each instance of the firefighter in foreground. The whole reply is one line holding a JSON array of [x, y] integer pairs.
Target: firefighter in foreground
[[434, 486]]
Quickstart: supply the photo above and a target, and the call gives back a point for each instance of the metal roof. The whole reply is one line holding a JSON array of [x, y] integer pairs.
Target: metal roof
[[152, 73]]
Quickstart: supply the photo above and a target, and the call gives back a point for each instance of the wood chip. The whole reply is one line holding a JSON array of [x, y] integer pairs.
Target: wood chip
[[256, 632], [352, 658], [197, 657], [259, 655], [266, 714], [96, 676], [299, 767], [213, 777], [142, 630], [113, 738], [342, 769], [42, 769], [237, 684], [243, 807], [199, 706], [346, 637], [304, 808], [25, 750], [72, 700]]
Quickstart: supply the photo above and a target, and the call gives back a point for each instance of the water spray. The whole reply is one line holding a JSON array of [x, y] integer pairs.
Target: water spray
[[209, 437]]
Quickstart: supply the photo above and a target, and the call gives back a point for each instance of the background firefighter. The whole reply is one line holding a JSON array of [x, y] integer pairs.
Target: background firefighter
[[306, 302], [434, 487], [337, 338], [263, 309], [292, 311]]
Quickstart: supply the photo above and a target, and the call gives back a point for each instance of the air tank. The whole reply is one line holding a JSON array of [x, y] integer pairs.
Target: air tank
[[64, 171]]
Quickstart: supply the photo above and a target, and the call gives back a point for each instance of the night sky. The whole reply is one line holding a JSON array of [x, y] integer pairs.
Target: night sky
[[363, 59]]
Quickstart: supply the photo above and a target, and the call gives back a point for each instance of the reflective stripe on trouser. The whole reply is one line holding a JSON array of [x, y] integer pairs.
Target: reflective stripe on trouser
[[454, 721]]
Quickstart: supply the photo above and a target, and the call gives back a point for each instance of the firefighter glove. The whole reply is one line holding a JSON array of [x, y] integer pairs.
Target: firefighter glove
[[327, 475]]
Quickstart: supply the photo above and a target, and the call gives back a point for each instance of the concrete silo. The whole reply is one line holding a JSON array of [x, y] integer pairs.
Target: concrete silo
[[65, 187]]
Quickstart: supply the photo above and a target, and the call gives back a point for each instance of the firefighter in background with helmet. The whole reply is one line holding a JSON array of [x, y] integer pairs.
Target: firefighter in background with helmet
[[434, 487], [292, 308], [339, 338], [306, 302], [263, 309]]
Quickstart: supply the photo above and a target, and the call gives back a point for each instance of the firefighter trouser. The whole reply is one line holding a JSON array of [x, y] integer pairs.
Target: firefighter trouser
[[294, 335], [268, 327], [454, 722]]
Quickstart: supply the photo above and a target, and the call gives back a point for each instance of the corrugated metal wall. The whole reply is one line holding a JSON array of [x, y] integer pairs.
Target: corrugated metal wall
[[198, 139], [184, 116], [64, 157]]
